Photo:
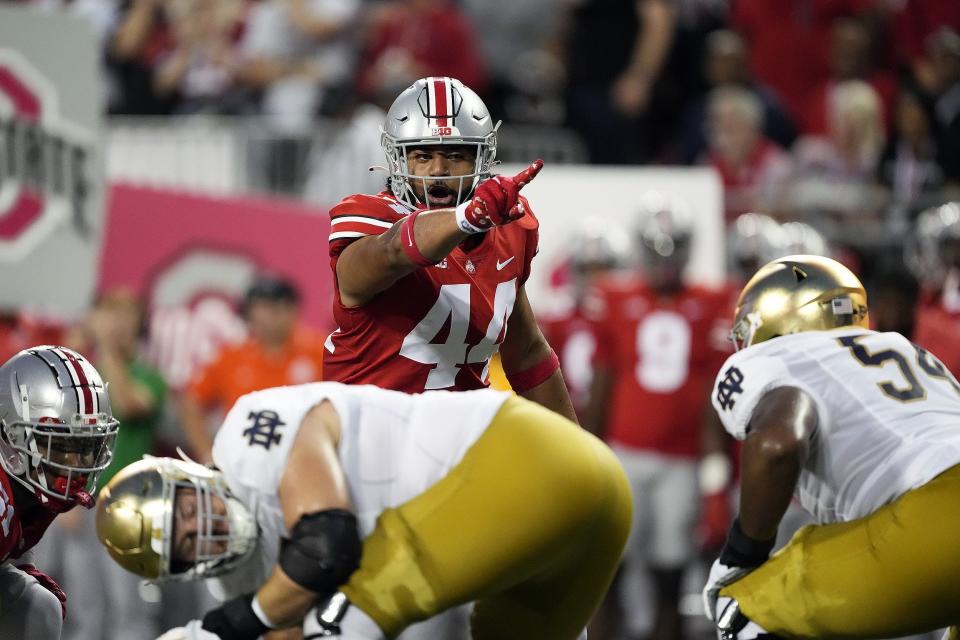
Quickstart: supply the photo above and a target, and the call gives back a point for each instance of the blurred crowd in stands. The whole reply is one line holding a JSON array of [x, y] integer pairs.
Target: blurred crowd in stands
[[841, 113]]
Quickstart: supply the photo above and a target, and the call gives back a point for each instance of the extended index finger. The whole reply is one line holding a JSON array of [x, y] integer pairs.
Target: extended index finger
[[524, 177]]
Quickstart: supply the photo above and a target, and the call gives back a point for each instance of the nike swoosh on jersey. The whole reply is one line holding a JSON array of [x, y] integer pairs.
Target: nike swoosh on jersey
[[501, 265]]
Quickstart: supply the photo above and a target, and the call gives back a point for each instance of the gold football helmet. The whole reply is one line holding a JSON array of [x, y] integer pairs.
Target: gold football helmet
[[798, 293], [136, 514]]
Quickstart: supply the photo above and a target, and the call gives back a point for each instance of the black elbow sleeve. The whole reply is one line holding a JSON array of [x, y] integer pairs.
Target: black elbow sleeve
[[323, 550]]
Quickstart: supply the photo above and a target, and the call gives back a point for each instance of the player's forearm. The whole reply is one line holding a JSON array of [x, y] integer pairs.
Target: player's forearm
[[768, 478], [552, 394], [372, 264], [283, 601], [436, 233], [772, 458]]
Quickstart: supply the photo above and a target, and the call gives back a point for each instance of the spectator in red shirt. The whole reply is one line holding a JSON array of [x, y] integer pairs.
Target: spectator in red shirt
[[834, 175], [410, 39], [851, 49], [788, 42], [753, 168], [725, 64]]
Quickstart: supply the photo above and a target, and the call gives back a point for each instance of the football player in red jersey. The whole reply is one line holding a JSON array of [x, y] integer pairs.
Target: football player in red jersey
[[430, 273], [934, 256], [57, 434], [594, 251], [655, 360]]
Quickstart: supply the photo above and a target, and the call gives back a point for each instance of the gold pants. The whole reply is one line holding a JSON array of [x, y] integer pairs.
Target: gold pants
[[893, 573], [530, 525]]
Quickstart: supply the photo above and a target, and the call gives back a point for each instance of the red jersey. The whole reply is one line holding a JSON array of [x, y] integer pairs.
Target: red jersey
[[663, 355], [437, 327], [21, 527], [571, 335], [936, 331]]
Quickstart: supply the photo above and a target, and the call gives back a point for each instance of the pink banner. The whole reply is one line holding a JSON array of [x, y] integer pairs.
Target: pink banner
[[192, 257]]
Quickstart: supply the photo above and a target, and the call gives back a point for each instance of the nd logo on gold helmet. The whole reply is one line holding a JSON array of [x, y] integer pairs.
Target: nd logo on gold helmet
[[798, 293]]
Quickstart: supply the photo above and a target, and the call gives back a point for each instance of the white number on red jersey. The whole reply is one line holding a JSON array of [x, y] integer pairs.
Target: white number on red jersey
[[577, 360], [447, 357], [663, 351]]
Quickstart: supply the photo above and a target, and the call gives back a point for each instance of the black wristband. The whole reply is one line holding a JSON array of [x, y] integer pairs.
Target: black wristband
[[235, 620], [743, 551]]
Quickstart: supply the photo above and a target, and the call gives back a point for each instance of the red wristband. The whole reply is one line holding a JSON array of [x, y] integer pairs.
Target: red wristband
[[409, 243], [531, 377]]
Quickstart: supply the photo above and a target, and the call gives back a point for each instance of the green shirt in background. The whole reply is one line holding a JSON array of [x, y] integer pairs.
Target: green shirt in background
[[136, 436]]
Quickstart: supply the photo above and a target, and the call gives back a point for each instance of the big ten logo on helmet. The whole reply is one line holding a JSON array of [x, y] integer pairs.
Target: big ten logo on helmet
[[44, 160], [194, 310], [441, 131]]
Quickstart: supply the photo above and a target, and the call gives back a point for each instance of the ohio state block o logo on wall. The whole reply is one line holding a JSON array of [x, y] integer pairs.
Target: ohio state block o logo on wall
[[44, 161]]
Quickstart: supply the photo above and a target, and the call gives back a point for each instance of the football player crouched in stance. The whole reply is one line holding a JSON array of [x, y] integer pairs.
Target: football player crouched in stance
[[57, 434], [865, 428], [393, 506]]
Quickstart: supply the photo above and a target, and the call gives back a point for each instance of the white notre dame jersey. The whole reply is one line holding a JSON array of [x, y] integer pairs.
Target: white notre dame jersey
[[393, 446], [889, 413]]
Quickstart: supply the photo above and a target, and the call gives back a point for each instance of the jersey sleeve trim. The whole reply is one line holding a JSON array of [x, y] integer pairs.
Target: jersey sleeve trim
[[347, 234], [336, 221], [356, 227]]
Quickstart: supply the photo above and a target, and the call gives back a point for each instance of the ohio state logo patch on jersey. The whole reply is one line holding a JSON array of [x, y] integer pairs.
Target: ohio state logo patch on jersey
[[731, 385]]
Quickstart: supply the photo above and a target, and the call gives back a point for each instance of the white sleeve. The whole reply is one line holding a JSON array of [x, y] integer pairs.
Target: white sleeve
[[742, 382]]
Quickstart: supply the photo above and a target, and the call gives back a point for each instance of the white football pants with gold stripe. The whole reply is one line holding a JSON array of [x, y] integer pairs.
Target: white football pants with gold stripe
[[530, 525], [893, 573]]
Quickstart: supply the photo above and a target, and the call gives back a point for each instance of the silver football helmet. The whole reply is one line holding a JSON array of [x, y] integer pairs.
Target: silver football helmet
[[934, 245], [136, 516], [801, 238], [437, 111], [753, 240], [666, 236], [57, 432], [597, 245]]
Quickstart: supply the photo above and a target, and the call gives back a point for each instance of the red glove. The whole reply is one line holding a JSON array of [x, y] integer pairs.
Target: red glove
[[49, 584], [495, 201]]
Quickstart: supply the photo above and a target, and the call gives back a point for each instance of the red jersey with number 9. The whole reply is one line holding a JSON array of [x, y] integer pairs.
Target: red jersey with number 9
[[437, 327], [663, 353], [21, 527]]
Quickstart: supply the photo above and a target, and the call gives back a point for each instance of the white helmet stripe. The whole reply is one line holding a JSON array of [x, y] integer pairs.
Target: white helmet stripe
[[74, 379], [87, 401], [440, 101]]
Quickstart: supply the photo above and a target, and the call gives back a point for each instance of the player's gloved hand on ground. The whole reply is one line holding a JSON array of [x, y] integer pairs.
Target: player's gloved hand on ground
[[496, 201], [47, 583], [720, 576], [193, 630], [732, 624], [741, 555]]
